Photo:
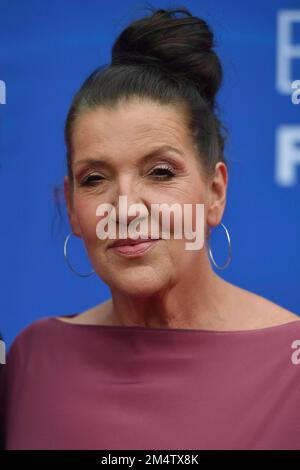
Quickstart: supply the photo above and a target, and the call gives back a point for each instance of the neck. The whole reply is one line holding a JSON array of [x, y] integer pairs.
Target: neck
[[196, 300]]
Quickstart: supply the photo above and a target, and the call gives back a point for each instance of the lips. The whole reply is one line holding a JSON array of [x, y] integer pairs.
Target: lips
[[130, 241], [136, 250]]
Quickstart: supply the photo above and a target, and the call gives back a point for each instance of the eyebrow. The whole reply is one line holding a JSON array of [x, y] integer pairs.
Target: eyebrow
[[148, 156]]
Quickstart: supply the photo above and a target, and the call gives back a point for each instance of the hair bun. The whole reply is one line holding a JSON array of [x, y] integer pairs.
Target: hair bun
[[182, 46]]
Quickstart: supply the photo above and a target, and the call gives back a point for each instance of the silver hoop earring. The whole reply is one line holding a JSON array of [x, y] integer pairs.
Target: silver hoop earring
[[229, 250], [68, 262]]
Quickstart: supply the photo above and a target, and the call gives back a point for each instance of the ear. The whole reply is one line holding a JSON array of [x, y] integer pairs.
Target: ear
[[217, 195], [70, 208]]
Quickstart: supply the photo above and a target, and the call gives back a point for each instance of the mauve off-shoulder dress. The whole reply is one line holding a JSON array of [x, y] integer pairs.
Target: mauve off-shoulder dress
[[74, 386]]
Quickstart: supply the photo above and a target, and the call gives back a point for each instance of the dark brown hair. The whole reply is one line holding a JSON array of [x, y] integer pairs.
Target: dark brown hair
[[167, 57]]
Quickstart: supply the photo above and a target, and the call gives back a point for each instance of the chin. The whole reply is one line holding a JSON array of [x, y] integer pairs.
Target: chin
[[138, 283]]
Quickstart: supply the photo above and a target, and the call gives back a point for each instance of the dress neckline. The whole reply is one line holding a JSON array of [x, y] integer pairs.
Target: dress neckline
[[172, 330]]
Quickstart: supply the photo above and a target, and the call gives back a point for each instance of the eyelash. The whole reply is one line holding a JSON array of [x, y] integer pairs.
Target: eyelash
[[167, 168], [87, 181]]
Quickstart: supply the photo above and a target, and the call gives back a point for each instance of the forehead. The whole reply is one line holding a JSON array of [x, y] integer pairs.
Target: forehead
[[130, 126]]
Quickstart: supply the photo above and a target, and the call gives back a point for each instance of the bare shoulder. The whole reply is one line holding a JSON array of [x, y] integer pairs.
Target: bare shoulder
[[262, 312], [97, 315]]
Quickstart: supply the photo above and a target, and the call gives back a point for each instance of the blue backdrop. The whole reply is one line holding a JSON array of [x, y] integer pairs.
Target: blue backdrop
[[48, 48]]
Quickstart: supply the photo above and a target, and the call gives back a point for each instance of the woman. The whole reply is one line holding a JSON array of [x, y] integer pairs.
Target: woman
[[178, 358]]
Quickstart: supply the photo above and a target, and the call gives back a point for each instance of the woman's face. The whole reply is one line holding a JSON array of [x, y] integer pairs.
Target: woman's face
[[122, 138]]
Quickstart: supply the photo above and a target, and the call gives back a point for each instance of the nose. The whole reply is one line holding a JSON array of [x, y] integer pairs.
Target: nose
[[128, 203]]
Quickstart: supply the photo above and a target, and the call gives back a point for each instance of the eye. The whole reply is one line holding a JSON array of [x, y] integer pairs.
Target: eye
[[91, 180], [163, 172]]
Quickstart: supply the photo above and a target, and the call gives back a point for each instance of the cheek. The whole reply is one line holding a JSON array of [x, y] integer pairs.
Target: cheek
[[190, 200], [193, 209], [198, 206], [199, 214], [87, 218]]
